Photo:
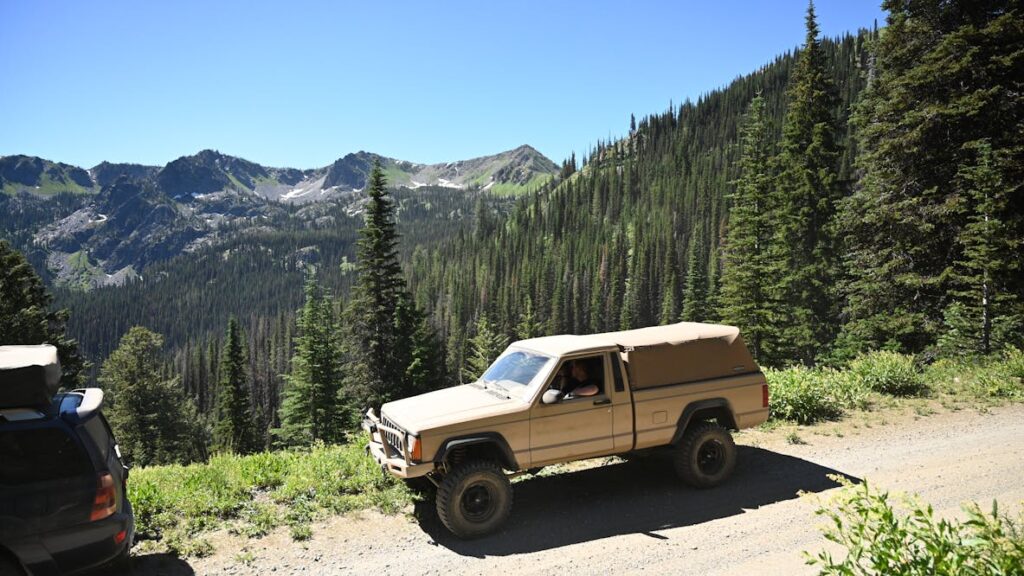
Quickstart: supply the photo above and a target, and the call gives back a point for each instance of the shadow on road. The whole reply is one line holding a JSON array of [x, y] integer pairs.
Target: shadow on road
[[637, 497], [154, 565]]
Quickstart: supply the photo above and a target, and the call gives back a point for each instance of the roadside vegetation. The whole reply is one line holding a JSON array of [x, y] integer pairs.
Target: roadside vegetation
[[802, 395], [177, 505], [905, 537]]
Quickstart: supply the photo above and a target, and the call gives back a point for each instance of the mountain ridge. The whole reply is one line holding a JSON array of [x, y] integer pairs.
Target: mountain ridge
[[209, 171]]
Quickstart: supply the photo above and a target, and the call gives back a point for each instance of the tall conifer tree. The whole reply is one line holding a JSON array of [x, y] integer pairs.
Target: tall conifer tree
[[154, 421], [808, 190], [747, 268], [26, 318], [310, 402], [947, 76], [235, 429]]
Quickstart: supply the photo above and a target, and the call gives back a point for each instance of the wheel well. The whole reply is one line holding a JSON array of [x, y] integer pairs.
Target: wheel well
[[720, 414], [478, 450], [711, 410]]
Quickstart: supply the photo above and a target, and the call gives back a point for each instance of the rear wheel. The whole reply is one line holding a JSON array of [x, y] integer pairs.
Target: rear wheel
[[474, 499], [706, 456]]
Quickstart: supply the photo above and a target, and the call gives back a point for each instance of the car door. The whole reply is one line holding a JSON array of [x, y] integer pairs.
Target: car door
[[573, 428]]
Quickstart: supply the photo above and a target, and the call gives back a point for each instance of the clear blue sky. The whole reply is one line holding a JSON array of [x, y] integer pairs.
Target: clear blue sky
[[300, 83]]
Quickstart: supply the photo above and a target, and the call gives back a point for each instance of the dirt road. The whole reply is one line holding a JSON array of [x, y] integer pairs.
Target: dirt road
[[635, 517]]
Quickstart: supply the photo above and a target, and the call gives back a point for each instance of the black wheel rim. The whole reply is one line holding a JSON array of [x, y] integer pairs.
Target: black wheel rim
[[711, 457], [476, 503]]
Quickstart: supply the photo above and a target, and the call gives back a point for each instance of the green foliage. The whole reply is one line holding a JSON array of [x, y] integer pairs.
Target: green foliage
[[985, 314], [944, 86], [233, 430], [808, 395], [890, 373], [155, 423], [311, 409], [386, 335], [253, 494], [26, 317], [881, 538], [485, 345], [745, 295], [805, 249]]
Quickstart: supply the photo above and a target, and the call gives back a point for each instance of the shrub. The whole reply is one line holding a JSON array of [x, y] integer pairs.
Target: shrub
[[889, 373], [879, 538], [807, 395], [254, 494]]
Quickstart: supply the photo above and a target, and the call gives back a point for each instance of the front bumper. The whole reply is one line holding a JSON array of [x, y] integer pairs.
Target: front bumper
[[392, 459]]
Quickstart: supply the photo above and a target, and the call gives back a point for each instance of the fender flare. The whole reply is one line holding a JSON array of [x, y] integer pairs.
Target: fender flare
[[495, 439], [692, 409]]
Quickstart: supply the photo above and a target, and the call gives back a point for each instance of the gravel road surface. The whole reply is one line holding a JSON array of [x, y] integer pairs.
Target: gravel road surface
[[636, 518]]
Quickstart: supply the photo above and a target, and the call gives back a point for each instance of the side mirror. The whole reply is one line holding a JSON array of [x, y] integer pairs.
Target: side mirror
[[551, 396]]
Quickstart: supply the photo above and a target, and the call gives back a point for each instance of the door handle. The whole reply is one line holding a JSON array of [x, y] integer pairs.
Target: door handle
[[602, 401]]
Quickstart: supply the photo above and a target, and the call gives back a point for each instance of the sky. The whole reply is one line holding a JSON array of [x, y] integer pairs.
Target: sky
[[301, 83]]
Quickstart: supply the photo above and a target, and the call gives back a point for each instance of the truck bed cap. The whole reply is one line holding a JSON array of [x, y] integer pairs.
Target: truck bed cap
[[662, 355]]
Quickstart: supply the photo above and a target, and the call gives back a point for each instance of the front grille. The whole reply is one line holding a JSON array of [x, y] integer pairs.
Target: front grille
[[393, 440]]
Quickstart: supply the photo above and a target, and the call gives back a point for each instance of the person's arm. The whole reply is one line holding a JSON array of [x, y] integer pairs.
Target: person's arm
[[589, 389]]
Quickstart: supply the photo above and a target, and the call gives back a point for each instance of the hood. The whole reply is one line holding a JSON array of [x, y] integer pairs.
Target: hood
[[454, 405]]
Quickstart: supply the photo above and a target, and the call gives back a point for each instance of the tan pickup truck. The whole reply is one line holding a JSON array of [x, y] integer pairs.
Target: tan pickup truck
[[562, 398]]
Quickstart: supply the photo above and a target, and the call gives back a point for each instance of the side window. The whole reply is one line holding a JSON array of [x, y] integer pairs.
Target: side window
[[40, 454], [100, 436], [580, 377]]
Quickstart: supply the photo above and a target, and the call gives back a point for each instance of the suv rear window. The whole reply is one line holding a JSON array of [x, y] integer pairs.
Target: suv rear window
[[40, 454]]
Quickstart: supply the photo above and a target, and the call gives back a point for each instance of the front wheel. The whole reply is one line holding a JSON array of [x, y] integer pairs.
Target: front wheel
[[706, 456], [474, 499]]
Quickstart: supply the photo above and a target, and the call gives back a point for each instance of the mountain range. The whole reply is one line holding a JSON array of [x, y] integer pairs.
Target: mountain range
[[210, 171], [103, 225]]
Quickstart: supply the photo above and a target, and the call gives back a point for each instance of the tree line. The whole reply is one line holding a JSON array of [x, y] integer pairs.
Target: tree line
[[860, 193]]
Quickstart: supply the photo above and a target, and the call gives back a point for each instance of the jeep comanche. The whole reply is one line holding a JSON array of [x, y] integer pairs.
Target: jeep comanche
[[683, 386]]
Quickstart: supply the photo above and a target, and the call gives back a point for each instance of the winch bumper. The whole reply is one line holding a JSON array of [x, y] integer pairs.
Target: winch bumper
[[393, 457]]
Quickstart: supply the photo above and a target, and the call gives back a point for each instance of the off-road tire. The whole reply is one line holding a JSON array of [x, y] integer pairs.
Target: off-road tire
[[706, 456], [474, 499]]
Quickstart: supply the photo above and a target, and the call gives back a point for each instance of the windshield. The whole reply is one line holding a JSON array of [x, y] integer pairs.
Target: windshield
[[515, 370]]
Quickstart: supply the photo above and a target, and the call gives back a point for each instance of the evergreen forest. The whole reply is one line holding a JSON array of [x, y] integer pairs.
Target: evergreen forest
[[860, 193]]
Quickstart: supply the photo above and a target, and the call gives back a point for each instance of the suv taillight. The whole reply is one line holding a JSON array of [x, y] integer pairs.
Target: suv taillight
[[105, 502]]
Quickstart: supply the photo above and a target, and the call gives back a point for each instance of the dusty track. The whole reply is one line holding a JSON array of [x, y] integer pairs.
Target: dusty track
[[635, 517]]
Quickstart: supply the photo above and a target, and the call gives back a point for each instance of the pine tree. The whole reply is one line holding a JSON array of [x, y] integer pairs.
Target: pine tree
[[695, 304], [235, 429], [744, 291], [372, 314], [485, 345], [154, 421], [310, 401], [946, 76], [984, 314], [26, 318], [528, 326], [808, 191]]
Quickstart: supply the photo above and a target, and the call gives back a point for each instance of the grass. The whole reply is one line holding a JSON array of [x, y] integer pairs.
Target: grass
[[251, 495], [887, 380]]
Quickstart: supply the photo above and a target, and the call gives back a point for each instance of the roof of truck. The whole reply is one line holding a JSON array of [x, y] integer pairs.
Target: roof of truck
[[671, 334]]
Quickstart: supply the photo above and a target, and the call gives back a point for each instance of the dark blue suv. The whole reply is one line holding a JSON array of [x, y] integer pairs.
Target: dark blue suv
[[63, 499]]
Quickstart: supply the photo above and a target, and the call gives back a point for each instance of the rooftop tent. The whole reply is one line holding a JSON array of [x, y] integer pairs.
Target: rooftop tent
[[683, 352], [29, 375]]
